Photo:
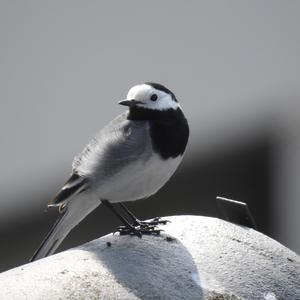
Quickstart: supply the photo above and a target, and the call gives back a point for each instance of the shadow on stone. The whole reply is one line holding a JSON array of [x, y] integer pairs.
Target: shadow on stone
[[144, 266]]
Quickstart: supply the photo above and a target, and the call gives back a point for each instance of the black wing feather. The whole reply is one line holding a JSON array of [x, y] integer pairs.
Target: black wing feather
[[74, 184]]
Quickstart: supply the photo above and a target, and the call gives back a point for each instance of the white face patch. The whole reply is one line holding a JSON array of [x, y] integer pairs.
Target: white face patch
[[145, 92]]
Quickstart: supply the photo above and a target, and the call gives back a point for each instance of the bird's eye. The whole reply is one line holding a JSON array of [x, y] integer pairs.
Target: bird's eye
[[153, 97]]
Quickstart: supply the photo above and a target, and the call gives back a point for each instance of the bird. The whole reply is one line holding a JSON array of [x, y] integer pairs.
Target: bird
[[130, 159]]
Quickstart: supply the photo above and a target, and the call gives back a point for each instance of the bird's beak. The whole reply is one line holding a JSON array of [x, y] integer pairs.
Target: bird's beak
[[129, 103]]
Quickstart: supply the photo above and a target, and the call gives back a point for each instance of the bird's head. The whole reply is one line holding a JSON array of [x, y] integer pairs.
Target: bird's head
[[153, 96]]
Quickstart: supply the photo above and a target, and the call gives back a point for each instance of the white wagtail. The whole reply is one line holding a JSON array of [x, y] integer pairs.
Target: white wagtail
[[130, 158]]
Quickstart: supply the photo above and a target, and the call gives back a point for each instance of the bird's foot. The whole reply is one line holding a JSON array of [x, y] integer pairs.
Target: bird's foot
[[129, 230], [151, 223], [139, 230]]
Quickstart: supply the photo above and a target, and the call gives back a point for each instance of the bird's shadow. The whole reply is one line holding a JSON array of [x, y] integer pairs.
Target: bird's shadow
[[153, 267]]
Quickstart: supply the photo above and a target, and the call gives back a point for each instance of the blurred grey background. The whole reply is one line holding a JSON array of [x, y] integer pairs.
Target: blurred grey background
[[234, 65]]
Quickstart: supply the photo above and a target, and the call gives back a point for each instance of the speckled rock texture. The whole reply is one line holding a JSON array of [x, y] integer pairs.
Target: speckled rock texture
[[195, 258]]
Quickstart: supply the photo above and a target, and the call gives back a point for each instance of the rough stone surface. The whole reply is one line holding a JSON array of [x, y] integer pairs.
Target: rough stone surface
[[196, 258]]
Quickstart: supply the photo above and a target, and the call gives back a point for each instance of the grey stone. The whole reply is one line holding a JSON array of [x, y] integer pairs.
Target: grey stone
[[195, 258]]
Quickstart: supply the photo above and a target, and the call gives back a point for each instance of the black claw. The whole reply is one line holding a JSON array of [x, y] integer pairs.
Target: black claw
[[153, 222], [125, 230], [138, 228], [147, 230]]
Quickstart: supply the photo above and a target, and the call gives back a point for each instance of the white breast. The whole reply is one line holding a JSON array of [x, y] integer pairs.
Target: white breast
[[139, 179]]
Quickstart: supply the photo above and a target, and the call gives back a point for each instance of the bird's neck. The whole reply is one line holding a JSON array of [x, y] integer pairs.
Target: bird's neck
[[146, 114], [169, 130]]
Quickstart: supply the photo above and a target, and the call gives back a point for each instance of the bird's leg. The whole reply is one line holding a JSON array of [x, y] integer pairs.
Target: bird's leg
[[127, 228], [135, 220], [143, 224]]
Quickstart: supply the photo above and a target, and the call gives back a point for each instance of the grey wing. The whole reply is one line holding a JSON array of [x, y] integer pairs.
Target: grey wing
[[118, 144]]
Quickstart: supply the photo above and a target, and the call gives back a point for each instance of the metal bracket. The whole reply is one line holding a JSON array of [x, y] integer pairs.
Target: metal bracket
[[236, 212]]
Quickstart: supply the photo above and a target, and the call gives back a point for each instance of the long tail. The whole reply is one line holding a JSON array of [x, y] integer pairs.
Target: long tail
[[75, 211]]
